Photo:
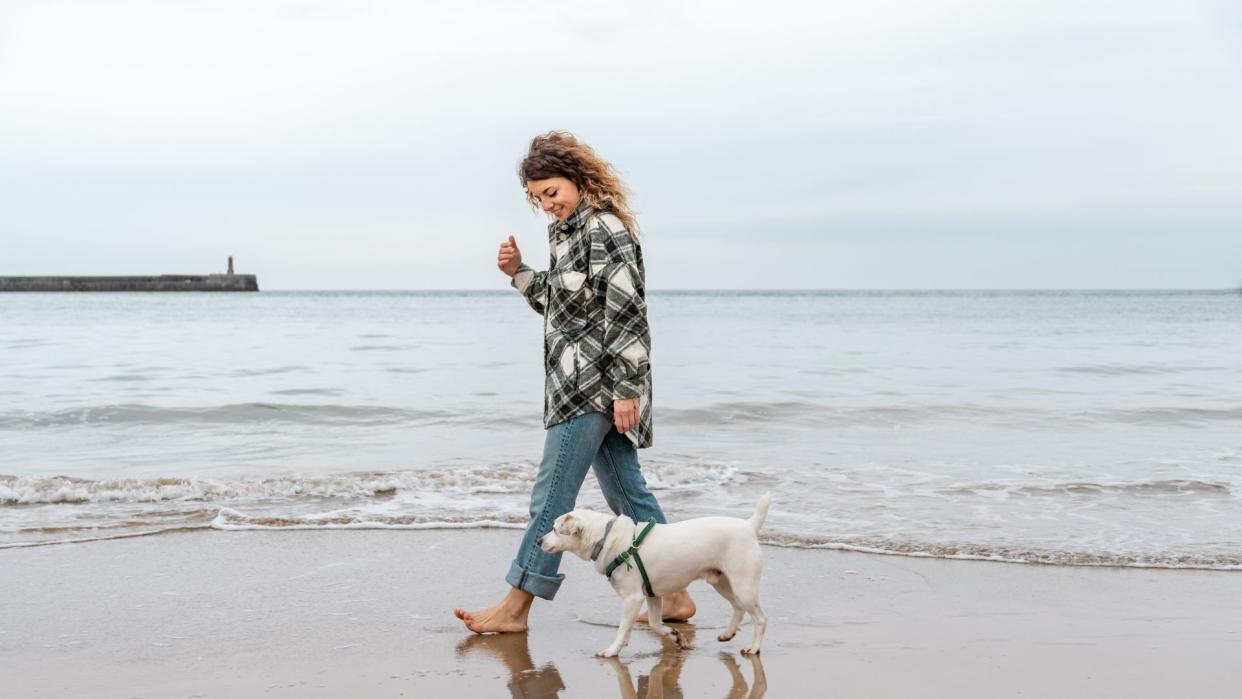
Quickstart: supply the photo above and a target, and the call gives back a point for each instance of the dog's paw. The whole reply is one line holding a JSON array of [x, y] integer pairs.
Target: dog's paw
[[606, 653], [750, 650], [725, 637], [680, 639]]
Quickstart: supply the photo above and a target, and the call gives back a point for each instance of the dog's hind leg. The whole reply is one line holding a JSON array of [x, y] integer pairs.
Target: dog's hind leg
[[760, 620], [731, 630], [630, 607], [746, 598], [723, 587]]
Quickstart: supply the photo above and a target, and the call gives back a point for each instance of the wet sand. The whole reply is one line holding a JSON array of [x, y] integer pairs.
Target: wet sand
[[368, 614]]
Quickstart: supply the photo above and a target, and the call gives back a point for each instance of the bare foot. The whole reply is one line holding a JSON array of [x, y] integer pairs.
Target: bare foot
[[677, 607], [507, 617], [492, 620]]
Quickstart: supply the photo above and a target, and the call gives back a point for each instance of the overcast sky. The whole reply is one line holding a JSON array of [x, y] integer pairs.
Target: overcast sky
[[351, 144]]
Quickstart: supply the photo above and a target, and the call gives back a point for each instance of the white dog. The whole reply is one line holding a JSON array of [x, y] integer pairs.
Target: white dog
[[724, 551]]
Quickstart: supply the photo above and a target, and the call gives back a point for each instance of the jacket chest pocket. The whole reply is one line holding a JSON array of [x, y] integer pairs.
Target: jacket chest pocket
[[569, 283]]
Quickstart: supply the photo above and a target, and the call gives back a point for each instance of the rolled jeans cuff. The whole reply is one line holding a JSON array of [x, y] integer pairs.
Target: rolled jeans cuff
[[543, 586]]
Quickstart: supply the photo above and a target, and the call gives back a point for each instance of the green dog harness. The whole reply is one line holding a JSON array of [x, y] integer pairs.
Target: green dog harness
[[632, 552]]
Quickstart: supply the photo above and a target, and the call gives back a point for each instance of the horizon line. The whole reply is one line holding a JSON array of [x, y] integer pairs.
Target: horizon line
[[782, 289]]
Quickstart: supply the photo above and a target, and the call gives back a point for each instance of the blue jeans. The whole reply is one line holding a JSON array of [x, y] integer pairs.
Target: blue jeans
[[569, 449]]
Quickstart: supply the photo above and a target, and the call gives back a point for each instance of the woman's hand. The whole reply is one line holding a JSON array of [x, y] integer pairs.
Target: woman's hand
[[625, 413], [509, 258]]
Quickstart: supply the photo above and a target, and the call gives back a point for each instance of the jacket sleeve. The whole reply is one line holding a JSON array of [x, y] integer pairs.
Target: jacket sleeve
[[616, 261], [532, 285]]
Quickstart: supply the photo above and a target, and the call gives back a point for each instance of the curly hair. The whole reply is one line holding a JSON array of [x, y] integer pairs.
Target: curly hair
[[560, 154]]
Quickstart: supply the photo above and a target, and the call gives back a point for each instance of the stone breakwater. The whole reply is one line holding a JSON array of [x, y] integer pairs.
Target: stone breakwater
[[163, 282]]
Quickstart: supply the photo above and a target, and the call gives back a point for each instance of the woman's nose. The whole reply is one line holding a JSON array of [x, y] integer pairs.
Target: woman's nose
[[546, 204]]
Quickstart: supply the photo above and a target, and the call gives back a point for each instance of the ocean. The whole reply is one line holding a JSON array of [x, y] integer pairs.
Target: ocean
[[1051, 427]]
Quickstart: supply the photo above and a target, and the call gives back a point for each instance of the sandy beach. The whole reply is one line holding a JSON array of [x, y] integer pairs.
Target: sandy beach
[[367, 613]]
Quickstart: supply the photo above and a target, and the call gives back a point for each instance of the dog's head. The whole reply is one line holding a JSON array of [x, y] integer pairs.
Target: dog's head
[[575, 532]]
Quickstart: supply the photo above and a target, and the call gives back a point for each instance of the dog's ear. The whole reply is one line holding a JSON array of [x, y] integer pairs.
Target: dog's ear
[[570, 524]]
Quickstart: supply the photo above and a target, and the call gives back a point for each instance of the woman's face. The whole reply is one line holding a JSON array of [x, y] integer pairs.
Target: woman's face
[[556, 195]]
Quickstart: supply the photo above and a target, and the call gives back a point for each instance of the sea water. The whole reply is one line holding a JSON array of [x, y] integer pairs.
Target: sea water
[[1060, 427]]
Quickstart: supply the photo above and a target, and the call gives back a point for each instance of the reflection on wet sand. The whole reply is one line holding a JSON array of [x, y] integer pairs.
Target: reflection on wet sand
[[663, 682], [513, 650], [738, 690]]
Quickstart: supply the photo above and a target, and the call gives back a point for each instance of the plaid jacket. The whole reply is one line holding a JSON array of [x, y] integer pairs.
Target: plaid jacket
[[596, 342]]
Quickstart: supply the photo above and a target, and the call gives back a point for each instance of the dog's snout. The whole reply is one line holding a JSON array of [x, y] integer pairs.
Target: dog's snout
[[539, 542]]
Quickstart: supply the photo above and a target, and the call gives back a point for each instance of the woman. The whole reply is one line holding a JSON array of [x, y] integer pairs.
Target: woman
[[597, 398]]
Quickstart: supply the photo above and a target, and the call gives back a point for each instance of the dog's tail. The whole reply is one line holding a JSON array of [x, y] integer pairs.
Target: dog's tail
[[761, 512]]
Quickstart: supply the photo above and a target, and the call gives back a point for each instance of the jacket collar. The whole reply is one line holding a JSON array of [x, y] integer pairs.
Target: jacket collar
[[575, 222]]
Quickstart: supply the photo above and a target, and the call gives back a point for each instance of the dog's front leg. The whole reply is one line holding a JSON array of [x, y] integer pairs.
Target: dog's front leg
[[655, 619], [630, 607]]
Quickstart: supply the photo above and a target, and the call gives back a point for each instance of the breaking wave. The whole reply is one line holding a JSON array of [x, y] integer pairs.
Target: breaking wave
[[238, 413], [1079, 489], [512, 478], [721, 415], [816, 414], [1008, 554], [232, 520]]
